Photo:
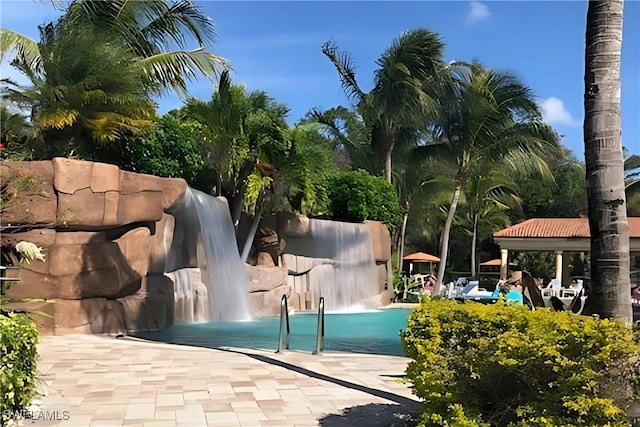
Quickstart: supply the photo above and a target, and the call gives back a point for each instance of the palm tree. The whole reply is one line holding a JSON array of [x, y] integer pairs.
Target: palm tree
[[415, 179], [244, 136], [486, 117], [222, 131], [490, 192], [94, 71], [347, 134], [632, 191], [398, 100], [305, 169], [87, 91], [610, 289], [156, 32]]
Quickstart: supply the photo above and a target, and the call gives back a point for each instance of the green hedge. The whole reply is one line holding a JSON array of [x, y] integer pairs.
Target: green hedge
[[18, 363], [359, 196], [503, 365]]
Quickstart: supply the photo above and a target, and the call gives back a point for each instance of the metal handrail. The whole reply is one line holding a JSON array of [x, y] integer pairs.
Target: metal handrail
[[283, 339], [3, 278], [320, 333]]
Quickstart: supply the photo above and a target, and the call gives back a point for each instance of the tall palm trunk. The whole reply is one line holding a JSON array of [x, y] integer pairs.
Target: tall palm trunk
[[387, 163], [444, 246], [474, 242], [610, 284], [403, 230]]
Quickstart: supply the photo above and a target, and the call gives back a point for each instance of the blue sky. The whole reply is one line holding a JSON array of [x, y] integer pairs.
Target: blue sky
[[275, 46]]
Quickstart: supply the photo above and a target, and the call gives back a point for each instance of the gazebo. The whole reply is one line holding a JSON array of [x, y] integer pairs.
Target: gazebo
[[419, 259], [564, 236], [490, 268]]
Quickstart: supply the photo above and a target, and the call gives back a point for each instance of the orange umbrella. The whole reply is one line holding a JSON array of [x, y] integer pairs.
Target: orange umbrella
[[421, 257]]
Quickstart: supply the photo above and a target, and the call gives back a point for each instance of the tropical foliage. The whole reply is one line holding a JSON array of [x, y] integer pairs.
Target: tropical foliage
[[470, 151], [358, 196], [16, 133], [169, 148], [398, 106], [563, 197], [254, 154], [632, 184], [19, 339], [489, 195], [487, 118], [93, 71], [504, 365]]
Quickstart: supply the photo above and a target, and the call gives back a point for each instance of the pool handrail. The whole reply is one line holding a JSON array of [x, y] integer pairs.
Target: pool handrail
[[4, 278], [320, 333], [283, 339]]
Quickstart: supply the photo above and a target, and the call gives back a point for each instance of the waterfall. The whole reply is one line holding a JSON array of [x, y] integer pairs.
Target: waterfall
[[191, 296], [346, 276], [204, 238]]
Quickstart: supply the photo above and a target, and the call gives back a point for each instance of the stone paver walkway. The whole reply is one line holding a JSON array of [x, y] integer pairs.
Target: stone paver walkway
[[104, 381]]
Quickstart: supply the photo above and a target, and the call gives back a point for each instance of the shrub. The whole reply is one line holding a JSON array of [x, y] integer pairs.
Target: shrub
[[503, 365], [359, 196], [18, 367], [168, 149]]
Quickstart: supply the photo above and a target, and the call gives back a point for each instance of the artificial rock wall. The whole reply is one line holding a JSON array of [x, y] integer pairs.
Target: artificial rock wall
[[100, 229]]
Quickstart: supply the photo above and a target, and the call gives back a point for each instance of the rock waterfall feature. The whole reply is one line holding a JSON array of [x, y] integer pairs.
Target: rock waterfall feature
[[344, 262], [204, 237], [347, 277], [127, 252]]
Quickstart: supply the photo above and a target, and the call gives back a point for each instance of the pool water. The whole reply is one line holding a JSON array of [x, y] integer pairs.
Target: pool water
[[376, 332]]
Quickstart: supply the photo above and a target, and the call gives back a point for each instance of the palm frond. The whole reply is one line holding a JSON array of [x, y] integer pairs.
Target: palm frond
[[330, 123], [415, 53], [58, 118], [175, 19], [346, 70], [108, 126], [256, 184], [17, 48], [175, 69]]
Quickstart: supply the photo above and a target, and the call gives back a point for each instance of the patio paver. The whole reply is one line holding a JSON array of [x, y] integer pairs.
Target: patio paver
[[104, 381]]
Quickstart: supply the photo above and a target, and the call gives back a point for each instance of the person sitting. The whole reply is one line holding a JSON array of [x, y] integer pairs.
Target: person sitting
[[576, 285], [510, 291], [429, 283]]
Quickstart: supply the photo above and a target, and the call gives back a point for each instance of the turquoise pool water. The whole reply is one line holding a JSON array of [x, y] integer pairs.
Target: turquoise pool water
[[375, 332]]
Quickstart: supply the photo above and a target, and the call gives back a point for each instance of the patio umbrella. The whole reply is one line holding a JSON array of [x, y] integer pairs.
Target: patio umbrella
[[492, 262]]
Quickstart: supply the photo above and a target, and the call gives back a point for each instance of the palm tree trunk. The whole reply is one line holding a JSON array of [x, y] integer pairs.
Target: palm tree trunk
[[382, 142], [401, 244], [444, 247], [473, 245], [610, 282], [387, 163], [252, 234]]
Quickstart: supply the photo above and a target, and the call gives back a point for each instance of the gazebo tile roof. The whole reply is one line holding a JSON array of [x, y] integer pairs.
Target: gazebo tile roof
[[559, 227]]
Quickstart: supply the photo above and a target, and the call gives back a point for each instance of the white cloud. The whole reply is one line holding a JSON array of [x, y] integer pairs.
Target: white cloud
[[554, 112], [477, 12]]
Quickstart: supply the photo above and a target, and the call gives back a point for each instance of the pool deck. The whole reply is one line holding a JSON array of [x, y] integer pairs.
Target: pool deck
[[107, 381]]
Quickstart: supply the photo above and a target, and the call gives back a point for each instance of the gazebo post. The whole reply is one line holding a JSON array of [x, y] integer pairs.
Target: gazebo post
[[559, 266], [504, 263]]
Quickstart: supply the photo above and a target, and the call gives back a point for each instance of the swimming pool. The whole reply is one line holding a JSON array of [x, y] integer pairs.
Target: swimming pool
[[375, 332]]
